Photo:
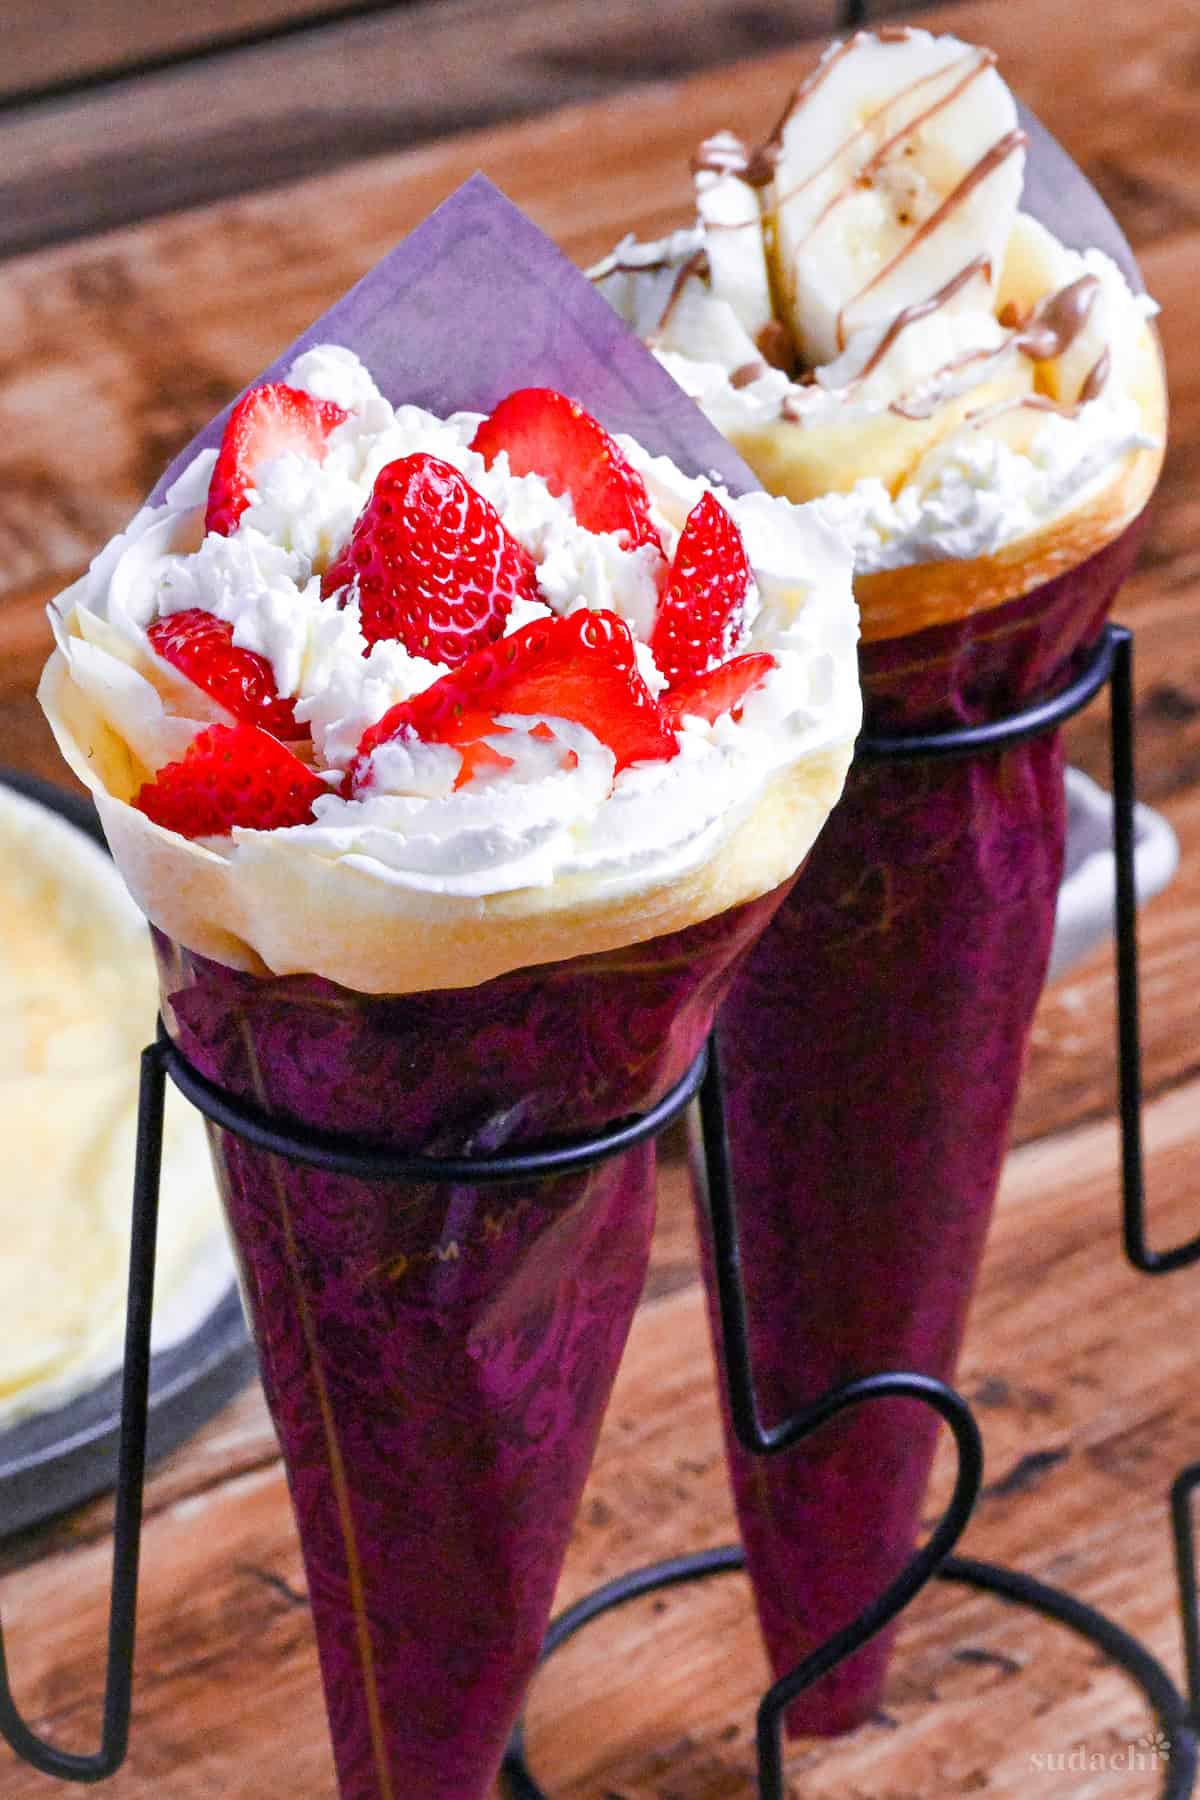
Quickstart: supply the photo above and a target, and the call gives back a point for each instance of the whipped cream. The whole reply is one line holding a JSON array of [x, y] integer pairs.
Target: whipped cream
[[856, 273], [555, 812], [978, 494]]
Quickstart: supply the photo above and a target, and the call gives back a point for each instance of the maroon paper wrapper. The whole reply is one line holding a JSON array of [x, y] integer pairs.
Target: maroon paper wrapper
[[872, 1046], [437, 1359]]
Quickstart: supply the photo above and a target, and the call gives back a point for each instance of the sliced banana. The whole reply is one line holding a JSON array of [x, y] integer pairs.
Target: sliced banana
[[731, 215], [1109, 343], [1035, 264], [637, 279], [696, 323], [900, 162], [911, 361]]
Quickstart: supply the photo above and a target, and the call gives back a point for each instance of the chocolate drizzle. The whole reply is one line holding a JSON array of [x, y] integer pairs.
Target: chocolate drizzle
[[906, 408], [1046, 336], [1094, 384], [1059, 320], [921, 309], [978, 61], [696, 267], [1096, 379], [760, 170], [747, 373], [999, 153], [1043, 335], [775, 345]]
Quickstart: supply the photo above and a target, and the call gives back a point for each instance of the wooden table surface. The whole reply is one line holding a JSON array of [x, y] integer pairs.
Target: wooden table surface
[[113, 349]]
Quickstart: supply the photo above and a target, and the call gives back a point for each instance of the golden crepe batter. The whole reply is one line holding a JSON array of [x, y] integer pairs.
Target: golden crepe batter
[[80, 997]]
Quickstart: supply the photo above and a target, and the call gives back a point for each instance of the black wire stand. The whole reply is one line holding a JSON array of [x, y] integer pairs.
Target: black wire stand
[[1176, 1716]]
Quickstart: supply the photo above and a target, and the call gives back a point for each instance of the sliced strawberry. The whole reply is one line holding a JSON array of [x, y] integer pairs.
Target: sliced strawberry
[[480, 758], [582, 667], [702, 610], [264, 423], [546, 434], [435, 566], [242, 681], [231, 775], [722, 690]]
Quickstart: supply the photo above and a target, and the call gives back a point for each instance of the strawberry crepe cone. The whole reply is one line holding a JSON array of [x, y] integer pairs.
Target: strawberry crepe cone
[[400, 948]]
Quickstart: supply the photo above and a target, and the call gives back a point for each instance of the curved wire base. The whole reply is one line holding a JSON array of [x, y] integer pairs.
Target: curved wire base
[[1145, 1671], [317, 1150]]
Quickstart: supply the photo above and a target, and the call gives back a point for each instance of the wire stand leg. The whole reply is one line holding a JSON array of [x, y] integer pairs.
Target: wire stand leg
[[1143, 1258], [135, 1387]]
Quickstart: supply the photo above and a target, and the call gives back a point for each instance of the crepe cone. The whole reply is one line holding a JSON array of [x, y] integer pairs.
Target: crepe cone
[[438, 1359], [874, 1040], [872, 1047]]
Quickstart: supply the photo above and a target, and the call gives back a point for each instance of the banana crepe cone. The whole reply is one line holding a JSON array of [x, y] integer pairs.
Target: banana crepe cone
[[491, 899], [870, 318]]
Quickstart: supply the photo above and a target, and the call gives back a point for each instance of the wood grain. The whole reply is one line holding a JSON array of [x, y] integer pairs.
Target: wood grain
[[256, 117], [659, 1702], [92, 37], [1082, 1373]]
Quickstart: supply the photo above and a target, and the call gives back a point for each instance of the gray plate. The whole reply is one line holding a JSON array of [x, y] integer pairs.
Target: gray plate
[[58, 1459]]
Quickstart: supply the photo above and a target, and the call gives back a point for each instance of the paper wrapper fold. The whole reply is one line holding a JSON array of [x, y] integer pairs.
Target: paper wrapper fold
[[872, 1047], [437, 1359]]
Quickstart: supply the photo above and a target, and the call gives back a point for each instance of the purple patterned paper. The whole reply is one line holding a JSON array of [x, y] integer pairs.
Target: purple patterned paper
[[872, 1046], [438, 1359], [476, 302]]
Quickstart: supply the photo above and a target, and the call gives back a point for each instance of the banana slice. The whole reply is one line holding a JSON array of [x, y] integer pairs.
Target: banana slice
[[697, 324], [924, 350], [924, 175], [1035, 264], [1101, 325], [638, 279], [731, 215]]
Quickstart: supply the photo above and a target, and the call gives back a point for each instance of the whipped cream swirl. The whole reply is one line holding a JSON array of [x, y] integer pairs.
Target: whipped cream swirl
[[555, 812]]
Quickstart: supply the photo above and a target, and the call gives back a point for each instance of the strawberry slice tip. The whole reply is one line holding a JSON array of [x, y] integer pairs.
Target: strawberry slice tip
[[582, 667], [243, 682], [266, 422], [702, 610], [231, 775], [721, 690], [435, 566], [546, 434]]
